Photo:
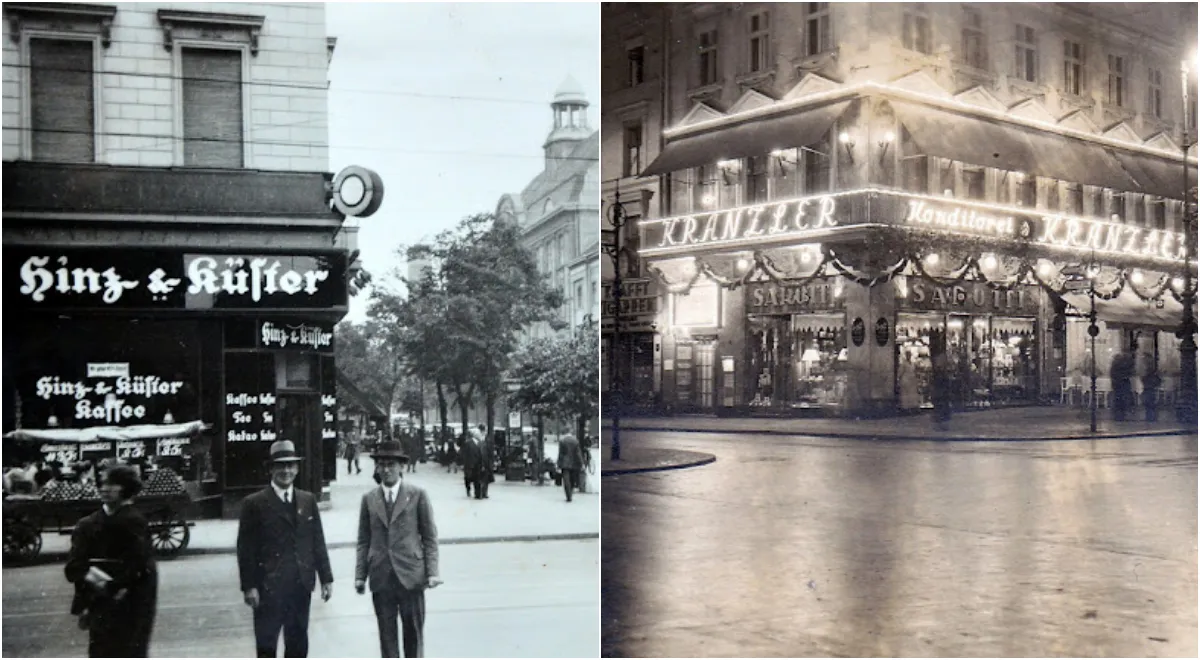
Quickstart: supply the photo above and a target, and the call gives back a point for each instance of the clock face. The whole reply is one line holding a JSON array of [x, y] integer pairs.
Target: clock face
[[353, 190]]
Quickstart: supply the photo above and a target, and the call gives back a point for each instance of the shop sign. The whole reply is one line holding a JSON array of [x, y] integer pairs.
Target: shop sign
[[771, 298], [74, 278], [858, 331], [882, 331], [250, 417], [113, 401], [639, 298], [973, 296], [762, 221], [1056, 230], [298, 336], [329, 417]]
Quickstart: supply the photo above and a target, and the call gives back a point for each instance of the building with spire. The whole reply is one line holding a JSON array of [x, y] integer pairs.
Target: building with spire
[[558, 211]]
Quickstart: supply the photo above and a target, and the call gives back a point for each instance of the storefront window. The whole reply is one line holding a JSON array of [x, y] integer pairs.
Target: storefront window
[[785, 165], [704, 188], [756, 179], [915, 335], [817, 166], [797, 361], [914, 165], [1012, 348]]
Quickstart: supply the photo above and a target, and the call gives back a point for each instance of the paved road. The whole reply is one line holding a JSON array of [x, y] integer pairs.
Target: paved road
[[803, 546], [499, 600]]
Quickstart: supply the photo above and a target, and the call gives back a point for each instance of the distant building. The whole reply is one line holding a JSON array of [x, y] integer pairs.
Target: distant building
[[168, 235], [842, 192], [558, 211]]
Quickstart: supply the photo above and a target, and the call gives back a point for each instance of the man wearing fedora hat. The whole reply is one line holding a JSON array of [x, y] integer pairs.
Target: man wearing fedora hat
[[281, 551], [397, 553]]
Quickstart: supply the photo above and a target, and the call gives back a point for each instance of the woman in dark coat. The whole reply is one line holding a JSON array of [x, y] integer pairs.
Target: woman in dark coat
[[112, 566]]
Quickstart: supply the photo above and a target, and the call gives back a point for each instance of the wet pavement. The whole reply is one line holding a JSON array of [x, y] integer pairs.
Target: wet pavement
[[805, 546], [499, 600]]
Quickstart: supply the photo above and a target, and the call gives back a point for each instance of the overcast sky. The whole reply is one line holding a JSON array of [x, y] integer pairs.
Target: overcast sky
[[408, 94]]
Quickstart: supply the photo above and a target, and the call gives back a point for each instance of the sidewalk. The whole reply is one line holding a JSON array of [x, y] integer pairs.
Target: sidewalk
[[514, 511], [636, 458], [1027, 423]]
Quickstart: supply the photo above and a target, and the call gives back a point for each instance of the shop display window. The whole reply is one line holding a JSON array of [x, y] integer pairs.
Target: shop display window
[[797, 361], [915, 336]]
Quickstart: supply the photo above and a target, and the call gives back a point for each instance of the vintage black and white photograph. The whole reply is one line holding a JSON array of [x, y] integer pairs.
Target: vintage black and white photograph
[[899, 330], [301, 308]]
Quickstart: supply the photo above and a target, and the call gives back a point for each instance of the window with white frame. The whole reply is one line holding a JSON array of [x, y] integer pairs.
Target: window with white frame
[[633, 150], [212, 110], [1154, 101], [760, 41], [706, 56], [974, 43], [817, 33], [636, 57], [1026, 54], [1073, 67], [1116, 81], [916, 35], [62, 100]]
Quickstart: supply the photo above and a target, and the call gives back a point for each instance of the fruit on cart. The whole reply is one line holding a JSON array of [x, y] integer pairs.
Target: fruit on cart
[[163, 481]]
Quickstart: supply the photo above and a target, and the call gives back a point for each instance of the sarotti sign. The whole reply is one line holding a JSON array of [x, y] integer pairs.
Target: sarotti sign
[[66, 278]]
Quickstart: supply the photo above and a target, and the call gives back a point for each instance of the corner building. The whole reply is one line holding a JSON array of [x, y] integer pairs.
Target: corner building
[[847, 191], [170, 252]]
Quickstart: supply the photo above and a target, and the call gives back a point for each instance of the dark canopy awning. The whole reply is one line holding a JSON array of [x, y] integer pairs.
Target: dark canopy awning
[[1156, 175], [752, 138], [1127, 310], [981, 141]]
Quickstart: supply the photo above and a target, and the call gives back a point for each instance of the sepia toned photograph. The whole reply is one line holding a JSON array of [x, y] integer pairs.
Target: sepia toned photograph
[[898, 351], [301, 307]]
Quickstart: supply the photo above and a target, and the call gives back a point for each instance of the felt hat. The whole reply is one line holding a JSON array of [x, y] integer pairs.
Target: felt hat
[[390, 449], [283, 451]]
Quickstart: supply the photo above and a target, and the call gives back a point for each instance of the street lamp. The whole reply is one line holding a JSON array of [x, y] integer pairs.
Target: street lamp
[[1185, 405], [610, 240]]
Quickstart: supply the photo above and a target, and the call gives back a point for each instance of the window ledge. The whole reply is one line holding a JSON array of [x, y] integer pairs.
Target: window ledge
[[821, 60], [99, 15], [1026, 87], [974, 73], [172, 19], [704, 91], [752, 78]]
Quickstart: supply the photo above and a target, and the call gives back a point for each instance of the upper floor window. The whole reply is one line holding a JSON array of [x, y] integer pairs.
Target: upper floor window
[[1158, 214], [633, 150], [636, 57], [212, 107], [818, 166], [818, 38], [1026, 192], [916, 28], [1116, 205], [1074, 199], [756, 179], [914, 165], [679, 191], [1026, 53], [760, 41], [974, 46], [1154, 103], [973, 182], [1073, 67], [704, 188], [1116, 81], [62, 100], [1136, 209], [707, 56]]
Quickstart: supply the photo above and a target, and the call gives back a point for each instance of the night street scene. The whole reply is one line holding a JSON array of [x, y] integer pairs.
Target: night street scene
[[253, 405], [898, 330]]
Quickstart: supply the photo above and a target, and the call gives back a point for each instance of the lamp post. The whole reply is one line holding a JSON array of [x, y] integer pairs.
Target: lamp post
[[1093, 331], [611, 242], [1185, 402]]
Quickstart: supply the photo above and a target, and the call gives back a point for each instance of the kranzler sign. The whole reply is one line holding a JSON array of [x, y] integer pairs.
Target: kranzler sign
[[124, 279]]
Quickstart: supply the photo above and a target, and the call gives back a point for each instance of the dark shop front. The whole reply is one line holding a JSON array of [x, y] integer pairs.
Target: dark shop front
[[242, 343]]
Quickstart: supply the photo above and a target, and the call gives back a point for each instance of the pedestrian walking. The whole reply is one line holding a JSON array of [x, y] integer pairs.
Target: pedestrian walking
[[1122, 371], [910, 396], [1150, 384], [397, 554], [472, 464], [112, 566], [280, 553], [570, 463], [941, 388], [351, 455]]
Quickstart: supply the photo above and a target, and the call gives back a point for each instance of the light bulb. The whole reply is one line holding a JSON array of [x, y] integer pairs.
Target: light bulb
[[1136, 277], [844, 137], [932, 259]]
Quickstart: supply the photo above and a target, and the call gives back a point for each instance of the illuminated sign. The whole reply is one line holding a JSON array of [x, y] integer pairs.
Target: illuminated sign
[[747, 223], [973, 295], [1111, 237], [771, 298], [976, 221]]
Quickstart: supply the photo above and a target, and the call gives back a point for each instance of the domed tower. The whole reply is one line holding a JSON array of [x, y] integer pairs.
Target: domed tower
[[570, 121]]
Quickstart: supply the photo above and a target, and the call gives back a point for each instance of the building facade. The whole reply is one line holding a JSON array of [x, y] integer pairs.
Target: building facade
[[170, 248], [850, 193]]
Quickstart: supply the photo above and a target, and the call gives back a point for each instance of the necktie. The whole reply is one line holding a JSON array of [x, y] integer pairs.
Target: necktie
[[287, 497], [390, 503]]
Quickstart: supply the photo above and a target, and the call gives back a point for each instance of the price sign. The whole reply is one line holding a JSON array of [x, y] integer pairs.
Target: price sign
[[131, 449], [61, 453], [171, 446]]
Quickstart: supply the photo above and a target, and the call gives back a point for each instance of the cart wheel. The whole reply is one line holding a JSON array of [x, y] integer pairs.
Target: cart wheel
[[170, 534], [22, 541]]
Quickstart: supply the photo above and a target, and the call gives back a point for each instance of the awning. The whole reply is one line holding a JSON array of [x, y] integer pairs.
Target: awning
[[1129, 310], [981, 141], [101, 433], [1156, 175], [752, 138]]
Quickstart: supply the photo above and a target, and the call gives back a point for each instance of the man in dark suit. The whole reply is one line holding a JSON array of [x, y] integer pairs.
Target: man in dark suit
[[281, 551], [570, 462], [397, 554], [473, 465]]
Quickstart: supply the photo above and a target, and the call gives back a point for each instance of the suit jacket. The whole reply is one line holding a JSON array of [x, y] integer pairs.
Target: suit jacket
[[570, 455], [269, 535], [405, 544], [472, 456]]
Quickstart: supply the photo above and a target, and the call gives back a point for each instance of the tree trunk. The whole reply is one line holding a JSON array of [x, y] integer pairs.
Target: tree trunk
[[489, 403], [464, 408], [443, 410], [541, 442], [580, 427]]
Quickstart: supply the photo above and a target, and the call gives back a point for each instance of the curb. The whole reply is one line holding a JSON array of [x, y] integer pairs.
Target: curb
[[913, 438], [48, 557], [708, 458]]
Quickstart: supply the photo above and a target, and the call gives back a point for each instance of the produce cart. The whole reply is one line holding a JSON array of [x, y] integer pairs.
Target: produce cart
[[164, 499]]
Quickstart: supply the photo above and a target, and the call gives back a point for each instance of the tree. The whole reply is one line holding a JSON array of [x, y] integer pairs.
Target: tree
[[368, 360]]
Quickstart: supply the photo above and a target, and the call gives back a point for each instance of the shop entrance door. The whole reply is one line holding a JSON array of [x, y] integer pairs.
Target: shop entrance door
[[969, 361], [300, 422], [704, 375]]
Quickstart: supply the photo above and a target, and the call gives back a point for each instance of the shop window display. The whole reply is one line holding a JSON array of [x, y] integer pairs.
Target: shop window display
[[915, 335], [797, 361]]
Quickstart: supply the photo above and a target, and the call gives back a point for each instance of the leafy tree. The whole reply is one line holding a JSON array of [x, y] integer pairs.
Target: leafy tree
[[559, 376], [364, 355]]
